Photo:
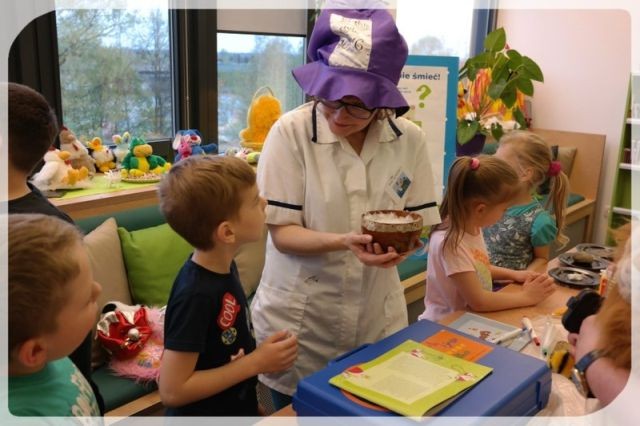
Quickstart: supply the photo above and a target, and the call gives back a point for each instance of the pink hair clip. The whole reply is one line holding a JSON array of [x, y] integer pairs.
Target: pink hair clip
[[474, 164], [554, 169]]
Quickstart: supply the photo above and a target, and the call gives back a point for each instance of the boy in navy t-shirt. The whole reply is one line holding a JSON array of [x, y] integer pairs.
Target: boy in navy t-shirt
[[210, 362]]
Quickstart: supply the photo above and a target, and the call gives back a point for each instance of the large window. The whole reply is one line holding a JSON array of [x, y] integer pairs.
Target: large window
[[115, 72], [247, 62], [442, 30]]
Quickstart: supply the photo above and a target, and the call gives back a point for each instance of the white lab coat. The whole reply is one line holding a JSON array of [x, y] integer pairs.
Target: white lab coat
[[333, 302]]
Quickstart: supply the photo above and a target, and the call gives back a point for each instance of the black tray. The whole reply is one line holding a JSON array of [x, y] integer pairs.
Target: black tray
[[563, 274], [596, 264], [597, 250]]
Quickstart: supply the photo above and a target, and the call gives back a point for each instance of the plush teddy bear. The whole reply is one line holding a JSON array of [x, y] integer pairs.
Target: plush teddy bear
[[57, 173], [264, 110], [140, 160], [122, 146], [189, 142], [102, 155], [79, 154]]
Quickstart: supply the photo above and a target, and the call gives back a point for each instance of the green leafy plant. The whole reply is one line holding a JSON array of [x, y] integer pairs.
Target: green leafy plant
[[492, 87]]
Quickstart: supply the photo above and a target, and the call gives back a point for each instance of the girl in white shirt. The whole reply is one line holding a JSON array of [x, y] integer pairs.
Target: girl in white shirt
[[459, 275]]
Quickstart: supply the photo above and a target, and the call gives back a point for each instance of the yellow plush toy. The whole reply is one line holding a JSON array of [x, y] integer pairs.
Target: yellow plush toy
[[264, 110], [102, 155]]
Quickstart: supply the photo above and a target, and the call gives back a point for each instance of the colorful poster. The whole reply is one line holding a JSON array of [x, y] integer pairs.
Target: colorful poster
[[429, 84]]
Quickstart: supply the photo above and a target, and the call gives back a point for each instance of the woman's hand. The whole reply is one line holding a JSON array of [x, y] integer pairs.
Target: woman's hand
[[587, 339], [372, 254]]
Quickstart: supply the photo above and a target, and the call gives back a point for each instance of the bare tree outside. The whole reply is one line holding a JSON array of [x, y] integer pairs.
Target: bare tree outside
[[115, 72]]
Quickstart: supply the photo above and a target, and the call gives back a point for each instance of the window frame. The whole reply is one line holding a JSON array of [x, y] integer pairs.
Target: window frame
[[33, 60]]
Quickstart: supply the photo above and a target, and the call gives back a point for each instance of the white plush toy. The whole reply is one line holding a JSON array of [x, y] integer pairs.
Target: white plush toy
[[57, 173], [122, 146], [79, 154], [103, 155]]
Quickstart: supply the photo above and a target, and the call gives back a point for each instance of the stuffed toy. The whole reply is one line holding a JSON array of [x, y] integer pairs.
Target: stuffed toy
[[264, 110], [122, 146], [79, 154], [141, 161], [184, 150], [247, 154], [189, 142], [134, 337], [57, 173], [103, 155]]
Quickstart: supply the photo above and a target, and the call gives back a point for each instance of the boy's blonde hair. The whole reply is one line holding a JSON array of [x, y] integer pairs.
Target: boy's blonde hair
[[533, 152], [201, 192], [492, 182], [40, 270]]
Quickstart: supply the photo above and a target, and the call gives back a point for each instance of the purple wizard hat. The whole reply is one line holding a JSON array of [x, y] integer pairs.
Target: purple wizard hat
[[358, 53]]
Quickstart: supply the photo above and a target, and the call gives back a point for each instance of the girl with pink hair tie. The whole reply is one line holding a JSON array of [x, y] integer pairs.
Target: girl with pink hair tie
[[522, 238]]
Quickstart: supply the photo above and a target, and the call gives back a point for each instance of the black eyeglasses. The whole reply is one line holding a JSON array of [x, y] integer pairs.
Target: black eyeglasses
[[356, 111]]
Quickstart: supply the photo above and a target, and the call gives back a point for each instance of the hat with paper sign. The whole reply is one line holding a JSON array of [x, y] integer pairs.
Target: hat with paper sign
[[355, 52]]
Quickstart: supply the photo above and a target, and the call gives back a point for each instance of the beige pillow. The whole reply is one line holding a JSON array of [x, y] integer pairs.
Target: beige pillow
[[105, 258], [250, 261], [566, 156]]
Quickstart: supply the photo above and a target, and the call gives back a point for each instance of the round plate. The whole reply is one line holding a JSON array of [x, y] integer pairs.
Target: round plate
[[597, 250], [596, 264], [575, 277], [141, 180]]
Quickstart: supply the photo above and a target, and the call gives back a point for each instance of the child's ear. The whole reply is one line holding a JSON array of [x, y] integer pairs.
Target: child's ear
[[225, 233], [31, 353], [527, 174], [478, 208]]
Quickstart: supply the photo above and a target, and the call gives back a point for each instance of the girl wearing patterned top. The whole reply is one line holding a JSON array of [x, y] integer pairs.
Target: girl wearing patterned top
[[522, 238]]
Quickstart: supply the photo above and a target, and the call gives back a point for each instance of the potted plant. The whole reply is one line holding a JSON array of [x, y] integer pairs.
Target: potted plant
[[491, 90]]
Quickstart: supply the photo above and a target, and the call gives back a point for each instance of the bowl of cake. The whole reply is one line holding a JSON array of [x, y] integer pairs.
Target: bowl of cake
[[393, 228]]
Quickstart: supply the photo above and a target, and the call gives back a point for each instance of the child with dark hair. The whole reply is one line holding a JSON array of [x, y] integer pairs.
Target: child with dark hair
[[459, 275], [51, 310], [33, 128]]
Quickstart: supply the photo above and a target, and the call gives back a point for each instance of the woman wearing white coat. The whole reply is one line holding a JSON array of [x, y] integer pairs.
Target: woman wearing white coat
[[322, 166]]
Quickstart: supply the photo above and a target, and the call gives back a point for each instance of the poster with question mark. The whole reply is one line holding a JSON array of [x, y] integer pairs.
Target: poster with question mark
[[429, 84]]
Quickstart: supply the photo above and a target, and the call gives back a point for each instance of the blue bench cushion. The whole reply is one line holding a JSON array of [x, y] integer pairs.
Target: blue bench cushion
[[118, 391], [131, 220]]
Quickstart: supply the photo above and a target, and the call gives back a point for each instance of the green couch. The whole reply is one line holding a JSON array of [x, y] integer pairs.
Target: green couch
[[112, 249]]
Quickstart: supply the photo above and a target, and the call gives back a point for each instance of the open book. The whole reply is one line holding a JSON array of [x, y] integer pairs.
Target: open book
[[411, 378]]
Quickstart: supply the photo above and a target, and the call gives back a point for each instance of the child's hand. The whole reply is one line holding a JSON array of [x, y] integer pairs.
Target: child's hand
[[522, 276], [371, 254], [277, 353], [538, 287]]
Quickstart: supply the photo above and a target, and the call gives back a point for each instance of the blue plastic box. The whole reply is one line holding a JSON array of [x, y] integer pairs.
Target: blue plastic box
[[519, 385]]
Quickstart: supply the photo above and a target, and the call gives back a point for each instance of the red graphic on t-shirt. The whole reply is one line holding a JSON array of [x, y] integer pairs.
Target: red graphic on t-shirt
[[229, 311]]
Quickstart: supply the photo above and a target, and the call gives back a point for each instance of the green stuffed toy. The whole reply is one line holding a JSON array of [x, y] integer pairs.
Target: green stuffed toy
[[140, 160]]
